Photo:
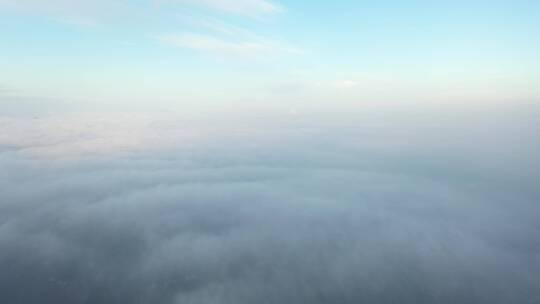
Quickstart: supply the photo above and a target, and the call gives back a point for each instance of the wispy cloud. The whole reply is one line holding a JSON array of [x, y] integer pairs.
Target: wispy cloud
[[92, 11], [83, 13], [227, 47], [252, 8], [223, 39], [216, 26]]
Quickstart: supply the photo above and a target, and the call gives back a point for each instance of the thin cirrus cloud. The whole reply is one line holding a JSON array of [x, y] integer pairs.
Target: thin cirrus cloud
[[78, 12], [252, 8], [218, 46], [99, 11], [210, 35], [223, 40]]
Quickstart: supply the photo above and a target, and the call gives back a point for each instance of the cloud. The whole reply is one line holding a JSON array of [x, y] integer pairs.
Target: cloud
[[80, 12], [94, 12], [225, 39], [252, 8], [227, 47], [215, 26], [218, 38], [76, 134], [259, 213]]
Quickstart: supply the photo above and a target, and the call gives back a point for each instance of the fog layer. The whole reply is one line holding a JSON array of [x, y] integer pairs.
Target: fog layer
[[386, 207]]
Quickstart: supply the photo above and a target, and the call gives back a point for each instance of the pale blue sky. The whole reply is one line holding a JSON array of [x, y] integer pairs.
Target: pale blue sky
[[183, 53]]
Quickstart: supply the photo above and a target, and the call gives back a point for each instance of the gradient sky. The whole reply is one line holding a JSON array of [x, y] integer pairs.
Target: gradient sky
[[177, 54]]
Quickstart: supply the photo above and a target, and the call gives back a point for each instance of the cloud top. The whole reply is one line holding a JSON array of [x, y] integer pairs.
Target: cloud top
[[294, 211]]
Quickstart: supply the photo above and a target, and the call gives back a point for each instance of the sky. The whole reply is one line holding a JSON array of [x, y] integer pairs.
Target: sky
[[255, 151], [187, 54]]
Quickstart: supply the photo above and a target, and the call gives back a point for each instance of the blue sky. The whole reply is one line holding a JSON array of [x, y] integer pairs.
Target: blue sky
[[186, 53]]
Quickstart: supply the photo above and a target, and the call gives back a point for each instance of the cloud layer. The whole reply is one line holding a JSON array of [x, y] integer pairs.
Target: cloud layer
[[301, 211], [244, 7]]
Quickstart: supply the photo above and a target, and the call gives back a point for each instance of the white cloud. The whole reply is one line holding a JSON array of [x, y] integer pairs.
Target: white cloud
[[93, 11], [222, 47], [239, 41], [251, 8], [216, 26], [82, 13], [97, 133], [321, 207]]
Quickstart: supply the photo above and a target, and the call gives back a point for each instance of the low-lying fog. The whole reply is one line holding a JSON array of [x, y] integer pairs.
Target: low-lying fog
[[389, 206]]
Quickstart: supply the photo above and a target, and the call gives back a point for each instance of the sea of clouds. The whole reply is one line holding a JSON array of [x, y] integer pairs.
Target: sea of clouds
[[380, 207]]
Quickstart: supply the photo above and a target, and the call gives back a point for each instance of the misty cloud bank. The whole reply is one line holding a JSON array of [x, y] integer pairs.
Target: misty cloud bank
[[139, 209]]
